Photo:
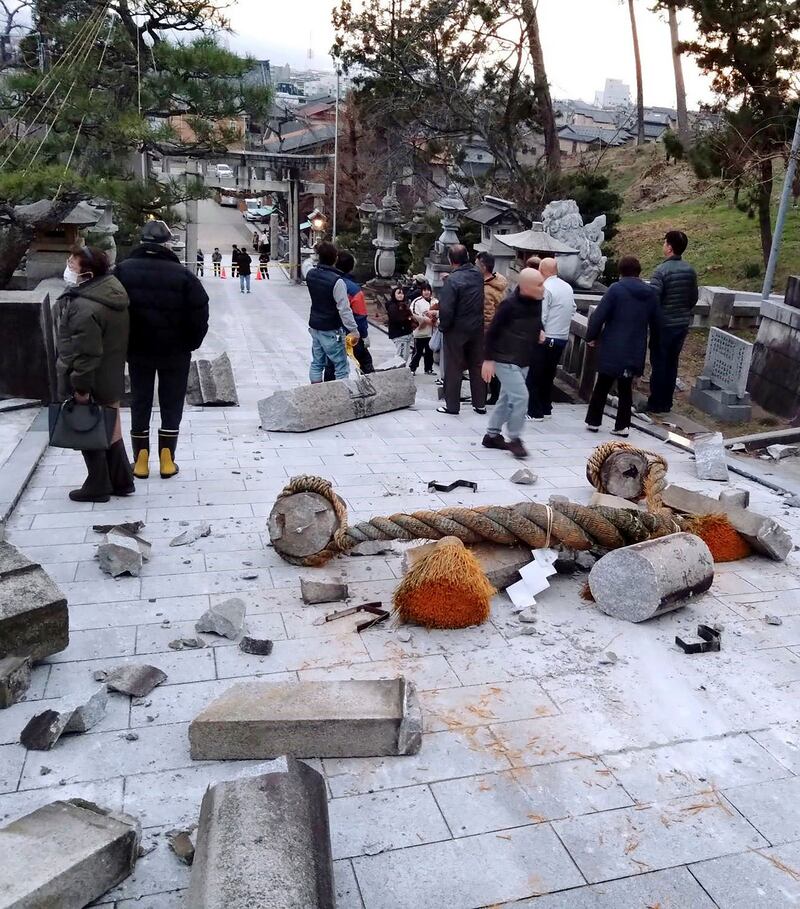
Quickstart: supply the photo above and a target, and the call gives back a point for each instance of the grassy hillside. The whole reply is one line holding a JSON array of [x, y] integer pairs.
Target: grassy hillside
[[724, 243]]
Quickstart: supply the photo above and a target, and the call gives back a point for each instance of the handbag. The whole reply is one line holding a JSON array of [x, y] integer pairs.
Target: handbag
[[82, 427], [436, 340]]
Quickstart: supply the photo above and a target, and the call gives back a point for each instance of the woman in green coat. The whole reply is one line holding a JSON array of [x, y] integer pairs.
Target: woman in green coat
[[92, 343]]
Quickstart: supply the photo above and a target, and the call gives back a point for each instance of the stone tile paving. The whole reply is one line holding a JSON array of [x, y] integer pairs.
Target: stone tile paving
[[548, 777]]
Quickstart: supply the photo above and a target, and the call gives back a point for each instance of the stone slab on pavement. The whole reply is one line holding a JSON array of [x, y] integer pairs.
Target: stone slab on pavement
[[764, 534], [66, 854], [211, 382], [331, 403], [15, 679], [264, 841], [315, 592], [259, 720], [34, 620]]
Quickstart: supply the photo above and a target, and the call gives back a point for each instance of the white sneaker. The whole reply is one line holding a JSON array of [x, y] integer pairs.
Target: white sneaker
[[530, 419], [620, 432], [593, 428]]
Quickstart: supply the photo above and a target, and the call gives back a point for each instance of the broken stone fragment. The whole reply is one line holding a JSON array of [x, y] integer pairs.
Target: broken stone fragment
[[709, 456], [186, 644], [773, 620], [203, 529], [211, 383], [66, 854], [648, 579], [779, 452], [122, 553], [225, 619], [372, 548], [89, 713], [256, 646], [738, 498], [135, 679], [182, 843], [528, 614], [47, 727], [259, 720], [264, 840], [524, 477], [314, 592], [132, 527], [15, 679]]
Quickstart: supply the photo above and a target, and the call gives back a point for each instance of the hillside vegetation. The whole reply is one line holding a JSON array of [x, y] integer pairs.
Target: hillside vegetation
[[724, 242]]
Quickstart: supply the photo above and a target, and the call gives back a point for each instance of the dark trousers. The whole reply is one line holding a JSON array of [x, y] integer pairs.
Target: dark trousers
[[463, 352], [199, 269], [597, 403], [264, 270], [362, 355], [422, 351], [217, 266], [664, 359], [493, 391], [542, 375], [173, 374]]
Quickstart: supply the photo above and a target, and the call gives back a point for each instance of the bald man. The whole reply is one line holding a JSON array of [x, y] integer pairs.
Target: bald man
[[512, 334], [558, 309]]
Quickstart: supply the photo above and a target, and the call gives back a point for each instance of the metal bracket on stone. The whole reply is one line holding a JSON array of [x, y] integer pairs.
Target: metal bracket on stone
[[435, 486], [710, 642], [376, 608]]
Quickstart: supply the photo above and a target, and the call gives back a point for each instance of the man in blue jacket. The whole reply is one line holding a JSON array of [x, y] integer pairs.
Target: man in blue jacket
[[675, 283], [331, 318]]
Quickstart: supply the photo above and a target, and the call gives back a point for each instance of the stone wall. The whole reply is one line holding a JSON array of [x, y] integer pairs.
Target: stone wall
[[27, 350], [775, 370]]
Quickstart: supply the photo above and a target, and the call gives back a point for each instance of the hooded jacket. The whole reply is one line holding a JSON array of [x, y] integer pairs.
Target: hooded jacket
[[621, 322], [494, 289], [514, 331], [168, 304], [92, 339]]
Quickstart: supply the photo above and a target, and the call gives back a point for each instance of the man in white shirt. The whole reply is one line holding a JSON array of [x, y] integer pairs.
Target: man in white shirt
[[558, 309]]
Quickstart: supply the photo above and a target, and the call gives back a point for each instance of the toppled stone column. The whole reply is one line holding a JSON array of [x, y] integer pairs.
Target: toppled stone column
[[211, 382], [329, 403], [259, 720], [66, 854], [764, 534], [650, 578], [34, 620], [264, 841]]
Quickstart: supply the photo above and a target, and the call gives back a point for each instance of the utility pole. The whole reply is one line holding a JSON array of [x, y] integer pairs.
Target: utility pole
[[194, 178], [780, 221], [336, 156]]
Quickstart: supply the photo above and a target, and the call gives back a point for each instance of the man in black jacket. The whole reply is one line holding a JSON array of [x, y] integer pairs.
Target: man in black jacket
[[169, 319], [675, 283], [512, 335], [461, 325]]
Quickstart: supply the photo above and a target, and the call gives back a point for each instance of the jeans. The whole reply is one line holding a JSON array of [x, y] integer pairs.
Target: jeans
[[664, 362], [327, 345], [541, 376], [597, 403], [403, 347], [422, 349], [173, 374], [244, 281], [512, 403]]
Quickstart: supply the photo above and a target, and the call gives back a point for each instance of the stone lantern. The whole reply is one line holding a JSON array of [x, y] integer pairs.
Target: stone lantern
[[387, 218], [451, 207], [366, 214], [416, 225]]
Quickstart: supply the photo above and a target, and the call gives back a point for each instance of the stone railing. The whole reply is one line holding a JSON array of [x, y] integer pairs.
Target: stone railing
[[578, 366]]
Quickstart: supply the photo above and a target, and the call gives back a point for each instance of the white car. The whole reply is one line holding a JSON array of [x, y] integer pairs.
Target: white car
[[224, 171]]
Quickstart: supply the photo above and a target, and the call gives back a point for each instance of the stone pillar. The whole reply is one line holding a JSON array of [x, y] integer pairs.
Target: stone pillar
[[274, 252], [293, 202], [774, 380], [193, 175], [387, 219]]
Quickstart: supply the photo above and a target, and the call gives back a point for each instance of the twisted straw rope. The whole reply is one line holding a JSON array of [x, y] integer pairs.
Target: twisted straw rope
[[655, 480]]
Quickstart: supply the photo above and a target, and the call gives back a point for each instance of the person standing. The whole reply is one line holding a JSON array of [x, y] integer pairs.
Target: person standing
[[675, 283], [494, 289], [169, 319], [256, 241], [511, 335], [421, 310], [331, 317], [245, 262], [201, 261], [558, 309], [461, 324], [235, 261], [263, 261], [345, 263], [92, 326], [620, 325], [216, 261], [401, 324]]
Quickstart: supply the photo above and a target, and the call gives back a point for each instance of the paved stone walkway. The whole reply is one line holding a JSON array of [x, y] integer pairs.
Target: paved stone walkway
[[659, 780]]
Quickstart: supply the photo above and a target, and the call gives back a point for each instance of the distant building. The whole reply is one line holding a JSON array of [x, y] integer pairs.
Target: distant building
[[615, 94]]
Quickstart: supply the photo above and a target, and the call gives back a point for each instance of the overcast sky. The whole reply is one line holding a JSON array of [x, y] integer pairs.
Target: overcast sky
[[585, 41]]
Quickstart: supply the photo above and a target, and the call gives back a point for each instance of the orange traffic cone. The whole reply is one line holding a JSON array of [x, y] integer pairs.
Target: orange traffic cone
[[223, 275], [258, 274]]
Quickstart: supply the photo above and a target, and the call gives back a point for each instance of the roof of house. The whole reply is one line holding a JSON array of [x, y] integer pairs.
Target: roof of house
[[599, 115], [313, 108], [489, 210], [595, 134], [307, 137]]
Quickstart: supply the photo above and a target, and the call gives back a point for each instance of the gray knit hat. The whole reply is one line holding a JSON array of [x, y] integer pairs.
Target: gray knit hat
[[156, 232]]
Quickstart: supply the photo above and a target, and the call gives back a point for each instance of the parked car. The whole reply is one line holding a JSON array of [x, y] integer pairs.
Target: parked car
[[224, 172]]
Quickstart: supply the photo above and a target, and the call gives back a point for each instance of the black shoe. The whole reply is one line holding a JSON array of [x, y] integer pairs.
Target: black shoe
[[119, 470], [97, 485], [490, 441], [517, 449], [480, 410], [453, 413], [429, 372]]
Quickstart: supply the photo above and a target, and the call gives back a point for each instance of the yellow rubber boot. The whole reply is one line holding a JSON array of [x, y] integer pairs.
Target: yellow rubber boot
[[167, 441], [140, 442]]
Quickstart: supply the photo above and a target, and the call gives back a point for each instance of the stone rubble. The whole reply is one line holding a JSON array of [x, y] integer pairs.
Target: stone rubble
[[203, 529], [134, 679], [225, 619], [122, 553], [211, 383], [44, 729], [524, 477], [710, 459], [256, 646], [314, 592], [15, 679]]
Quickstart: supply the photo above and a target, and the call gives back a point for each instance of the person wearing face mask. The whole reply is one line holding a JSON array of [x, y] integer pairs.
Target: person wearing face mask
[[169, 319], [92, 326]]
